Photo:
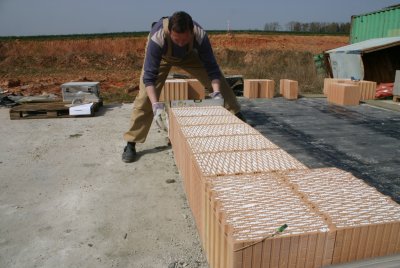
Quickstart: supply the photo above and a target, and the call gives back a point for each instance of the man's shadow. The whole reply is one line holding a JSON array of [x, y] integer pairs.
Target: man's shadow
[[154, 150]]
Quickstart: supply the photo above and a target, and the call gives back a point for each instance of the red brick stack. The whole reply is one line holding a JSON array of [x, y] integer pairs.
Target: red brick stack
[[174, 89], [289, 89], [259, 88], [347, 91]]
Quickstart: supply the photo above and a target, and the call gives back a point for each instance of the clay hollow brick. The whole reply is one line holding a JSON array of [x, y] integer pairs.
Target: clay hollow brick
[[259, 88], [241, 187]]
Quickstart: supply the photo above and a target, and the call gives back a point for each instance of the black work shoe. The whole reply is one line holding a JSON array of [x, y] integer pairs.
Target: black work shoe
[[241, 116], [129, 154]]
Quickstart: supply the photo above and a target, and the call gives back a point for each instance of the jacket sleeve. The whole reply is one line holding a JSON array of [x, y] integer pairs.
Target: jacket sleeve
[[153, 55], [206, 54], [151, 63]]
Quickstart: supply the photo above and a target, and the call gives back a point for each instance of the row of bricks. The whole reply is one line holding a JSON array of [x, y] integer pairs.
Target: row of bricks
[[265, 88], [182, 89], [306, 244], [199, 168], [338, 91]]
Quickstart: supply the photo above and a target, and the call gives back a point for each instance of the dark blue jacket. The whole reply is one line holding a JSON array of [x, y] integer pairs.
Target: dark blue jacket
[[157, 47]]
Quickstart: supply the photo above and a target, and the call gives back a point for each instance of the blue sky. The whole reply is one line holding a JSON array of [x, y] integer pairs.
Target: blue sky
[[53, 17]]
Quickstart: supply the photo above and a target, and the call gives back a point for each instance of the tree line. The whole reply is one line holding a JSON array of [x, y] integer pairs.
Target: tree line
[[312, 27]]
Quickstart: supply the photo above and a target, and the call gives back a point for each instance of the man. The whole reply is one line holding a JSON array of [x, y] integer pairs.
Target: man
[[174, 41]]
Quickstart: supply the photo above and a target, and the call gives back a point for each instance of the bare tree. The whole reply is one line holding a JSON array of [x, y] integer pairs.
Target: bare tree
[[272, 26]]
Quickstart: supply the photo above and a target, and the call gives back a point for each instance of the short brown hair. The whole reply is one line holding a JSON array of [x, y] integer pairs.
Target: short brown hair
[[180, 22]]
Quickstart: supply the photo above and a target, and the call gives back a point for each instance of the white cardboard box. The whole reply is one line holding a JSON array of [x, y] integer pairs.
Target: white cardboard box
[[84, 109]]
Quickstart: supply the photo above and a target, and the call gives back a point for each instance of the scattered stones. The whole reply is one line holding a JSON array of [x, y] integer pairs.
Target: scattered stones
[[178, 264], [75, 135]]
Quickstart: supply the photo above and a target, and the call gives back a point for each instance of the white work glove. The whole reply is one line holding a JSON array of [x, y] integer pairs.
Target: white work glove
[[160, 116], [216, 95]]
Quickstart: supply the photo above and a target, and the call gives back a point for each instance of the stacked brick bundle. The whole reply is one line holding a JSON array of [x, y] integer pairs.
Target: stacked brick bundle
[[176, 89], [182, 89], [348, 92], [259, 88], [344, 94], [289, 89], [241, 187], [366, 223]]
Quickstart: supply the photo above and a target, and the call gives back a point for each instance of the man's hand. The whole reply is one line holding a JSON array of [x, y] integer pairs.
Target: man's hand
[[160, 116], [216, 95]]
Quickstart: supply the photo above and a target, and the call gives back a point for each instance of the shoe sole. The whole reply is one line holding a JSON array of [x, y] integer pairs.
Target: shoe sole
[[129, 160]]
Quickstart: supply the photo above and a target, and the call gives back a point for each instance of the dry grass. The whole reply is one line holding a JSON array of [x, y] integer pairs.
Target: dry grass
[[107, 46], [275, 65], [113, 60]]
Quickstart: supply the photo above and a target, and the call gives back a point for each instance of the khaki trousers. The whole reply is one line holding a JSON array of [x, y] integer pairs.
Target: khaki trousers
[[142, 114]]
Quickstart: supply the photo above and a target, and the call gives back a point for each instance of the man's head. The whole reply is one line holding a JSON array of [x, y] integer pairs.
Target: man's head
[[181, 28]]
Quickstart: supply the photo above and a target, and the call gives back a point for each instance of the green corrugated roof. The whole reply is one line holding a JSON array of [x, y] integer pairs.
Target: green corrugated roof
[[381, 23]]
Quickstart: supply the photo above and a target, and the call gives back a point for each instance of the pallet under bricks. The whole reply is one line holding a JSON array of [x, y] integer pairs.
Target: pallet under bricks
[[259, 88], [215, 160]]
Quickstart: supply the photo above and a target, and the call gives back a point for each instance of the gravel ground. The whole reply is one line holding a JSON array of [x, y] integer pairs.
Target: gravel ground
[[67, 199]]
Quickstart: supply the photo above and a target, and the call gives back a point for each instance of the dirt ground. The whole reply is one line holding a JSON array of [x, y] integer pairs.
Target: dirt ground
[[67, 199]]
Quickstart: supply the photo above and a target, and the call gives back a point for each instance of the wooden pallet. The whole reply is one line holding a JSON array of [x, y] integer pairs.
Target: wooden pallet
[[44, 110]]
